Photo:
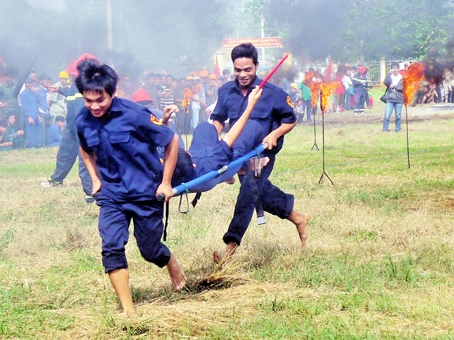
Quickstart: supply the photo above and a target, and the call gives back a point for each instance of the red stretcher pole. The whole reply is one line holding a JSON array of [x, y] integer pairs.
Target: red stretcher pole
[[272, 72]]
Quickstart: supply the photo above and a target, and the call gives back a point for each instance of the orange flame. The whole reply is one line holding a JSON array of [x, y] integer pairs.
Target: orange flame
[[187, 95], [326, 90], [412, 81], [313, 84]]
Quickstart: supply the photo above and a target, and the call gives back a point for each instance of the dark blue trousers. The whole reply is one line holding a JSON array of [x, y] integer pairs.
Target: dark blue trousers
[[113, 226], [273, 199], [66, 157]]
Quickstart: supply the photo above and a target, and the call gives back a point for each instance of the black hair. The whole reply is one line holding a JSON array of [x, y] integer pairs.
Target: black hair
[[184, 169], [151, 75], [3, 123], [224, 71], [60, 118], [96, 78], [43, 77], [245, 51], [394, 63]]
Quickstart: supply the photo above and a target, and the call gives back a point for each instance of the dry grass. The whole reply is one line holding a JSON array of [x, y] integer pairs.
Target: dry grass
[[377, 263]]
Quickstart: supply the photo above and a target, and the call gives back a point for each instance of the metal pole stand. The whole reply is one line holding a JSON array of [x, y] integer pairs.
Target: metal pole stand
[[315, 146], [323, 151], [408, 143]]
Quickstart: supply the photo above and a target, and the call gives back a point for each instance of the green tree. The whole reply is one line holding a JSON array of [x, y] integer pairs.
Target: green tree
[[354, 30]]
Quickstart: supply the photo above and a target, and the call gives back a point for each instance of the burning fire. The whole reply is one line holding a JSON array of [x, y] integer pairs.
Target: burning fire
[[326, 90], [187, 95], [313, 85], [411, 81]]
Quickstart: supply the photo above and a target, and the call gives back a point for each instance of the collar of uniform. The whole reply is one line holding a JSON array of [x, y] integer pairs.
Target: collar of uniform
[[257, 81], [116, 105]]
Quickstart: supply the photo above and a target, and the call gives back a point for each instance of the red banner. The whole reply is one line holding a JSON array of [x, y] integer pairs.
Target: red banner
[[272, 42]]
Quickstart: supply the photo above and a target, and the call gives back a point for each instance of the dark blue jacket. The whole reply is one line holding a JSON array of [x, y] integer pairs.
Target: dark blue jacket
[[273, 108], [125, 142]]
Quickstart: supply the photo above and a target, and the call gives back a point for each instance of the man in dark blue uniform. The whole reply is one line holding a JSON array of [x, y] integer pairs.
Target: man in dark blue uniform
[[275, 114], [119, 141]]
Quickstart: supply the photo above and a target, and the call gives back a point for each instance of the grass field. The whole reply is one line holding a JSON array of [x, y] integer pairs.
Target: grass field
[[378, 262]]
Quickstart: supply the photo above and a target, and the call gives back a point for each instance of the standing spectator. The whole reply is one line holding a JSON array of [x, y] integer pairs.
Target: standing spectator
[[299, 110], [349, 89], [211, 93], [366, 88], [167, 97], [293, 93], [53, 133], [158, 81], [150, 87], [306, 95], [197, 103], [339, 94], [182, 116], [32, 116], [69, 145], [284, 84], [394, 97], [359, 82], [57, 102], [13, 134], [226, 74], [8, 103]]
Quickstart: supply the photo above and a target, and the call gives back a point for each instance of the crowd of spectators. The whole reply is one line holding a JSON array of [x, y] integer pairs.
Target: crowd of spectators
[[35, 116]]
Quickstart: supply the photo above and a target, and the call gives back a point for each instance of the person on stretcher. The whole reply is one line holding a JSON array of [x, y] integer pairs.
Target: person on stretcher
[[208, 152]]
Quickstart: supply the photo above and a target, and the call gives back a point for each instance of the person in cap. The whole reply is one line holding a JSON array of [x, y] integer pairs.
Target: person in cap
[[293, 93], [57, 102], [142, 97], [69, 145], [274, 112], [118, 143], [33, 118]]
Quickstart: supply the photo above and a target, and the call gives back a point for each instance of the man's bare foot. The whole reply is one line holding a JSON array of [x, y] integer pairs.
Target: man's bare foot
[[300, 220], [229, 251], [131, 313], [231, 180], [176, 272]]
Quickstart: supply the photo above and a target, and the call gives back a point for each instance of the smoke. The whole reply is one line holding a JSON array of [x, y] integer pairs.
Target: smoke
[[53, 5], [147, 35], [439, 63]]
